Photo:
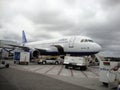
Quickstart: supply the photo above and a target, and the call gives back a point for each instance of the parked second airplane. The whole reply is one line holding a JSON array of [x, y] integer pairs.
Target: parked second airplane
[[73, 45]]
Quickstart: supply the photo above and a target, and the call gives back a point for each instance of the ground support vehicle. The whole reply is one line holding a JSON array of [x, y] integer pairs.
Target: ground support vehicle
[[21, 57], [50, 60], [4, 64], [109, 73], [74, 62]]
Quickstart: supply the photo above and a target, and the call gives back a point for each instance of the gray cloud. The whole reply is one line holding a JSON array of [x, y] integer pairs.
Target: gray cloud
[[46, 19], [110, 3]]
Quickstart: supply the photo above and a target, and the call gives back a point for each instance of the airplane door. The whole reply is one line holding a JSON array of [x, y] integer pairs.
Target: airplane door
[[71, 42]]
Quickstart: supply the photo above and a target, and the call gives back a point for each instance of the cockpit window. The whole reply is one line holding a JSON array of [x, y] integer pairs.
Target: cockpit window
[[82, 40], [86, 40], [90, 40]]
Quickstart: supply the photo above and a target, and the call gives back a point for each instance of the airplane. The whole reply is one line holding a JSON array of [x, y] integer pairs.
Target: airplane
[[72, 45]]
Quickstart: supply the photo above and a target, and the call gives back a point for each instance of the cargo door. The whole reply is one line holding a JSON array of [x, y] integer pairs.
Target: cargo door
[[71, 42]]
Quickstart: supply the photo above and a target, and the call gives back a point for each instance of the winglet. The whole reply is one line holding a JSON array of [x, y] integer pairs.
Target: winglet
[[24, 40]]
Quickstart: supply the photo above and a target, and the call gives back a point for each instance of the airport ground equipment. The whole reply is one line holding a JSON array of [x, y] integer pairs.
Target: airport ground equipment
[[2, 62], [76, 62], [110, 72], [50, 60], [21, 57]]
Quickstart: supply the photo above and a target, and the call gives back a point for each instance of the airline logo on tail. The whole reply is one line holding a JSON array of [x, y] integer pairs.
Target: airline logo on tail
[[24, 40]]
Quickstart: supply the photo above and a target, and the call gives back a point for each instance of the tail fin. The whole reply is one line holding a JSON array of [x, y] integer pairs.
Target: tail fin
[[24, 40]]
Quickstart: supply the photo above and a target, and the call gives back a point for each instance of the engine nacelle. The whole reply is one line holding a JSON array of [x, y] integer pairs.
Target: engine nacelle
[[35, 53]]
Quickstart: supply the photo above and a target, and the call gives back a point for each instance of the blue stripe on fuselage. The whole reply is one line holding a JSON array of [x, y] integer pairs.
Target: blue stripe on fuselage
[[71, 53]]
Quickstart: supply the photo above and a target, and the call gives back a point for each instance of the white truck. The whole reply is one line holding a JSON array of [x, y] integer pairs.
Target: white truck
[[80, 62], [110, 72], [21, 57]]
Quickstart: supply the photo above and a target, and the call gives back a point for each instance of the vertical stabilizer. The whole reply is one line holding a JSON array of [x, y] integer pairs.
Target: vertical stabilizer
[[24, 40]]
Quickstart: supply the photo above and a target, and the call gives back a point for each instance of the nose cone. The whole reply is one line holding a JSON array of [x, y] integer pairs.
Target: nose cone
[[98, 47]]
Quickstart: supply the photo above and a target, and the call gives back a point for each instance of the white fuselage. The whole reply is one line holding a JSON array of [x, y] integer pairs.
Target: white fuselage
[[76, 45]]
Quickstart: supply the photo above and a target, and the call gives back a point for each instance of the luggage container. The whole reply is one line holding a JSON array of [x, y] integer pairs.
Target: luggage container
[[21, 57]]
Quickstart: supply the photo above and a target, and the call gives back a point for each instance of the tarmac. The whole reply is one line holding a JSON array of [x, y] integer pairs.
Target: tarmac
[[12, 79], [5, 84], [49, 77]]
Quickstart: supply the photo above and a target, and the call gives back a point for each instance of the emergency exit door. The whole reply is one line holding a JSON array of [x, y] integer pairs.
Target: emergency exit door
[[71, 42]]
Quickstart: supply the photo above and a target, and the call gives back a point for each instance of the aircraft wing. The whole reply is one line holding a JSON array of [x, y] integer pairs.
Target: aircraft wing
[[27, 48], [23, 47], [60, 49]]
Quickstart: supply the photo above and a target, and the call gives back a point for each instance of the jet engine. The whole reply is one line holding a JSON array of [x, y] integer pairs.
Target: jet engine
[[35, 53]]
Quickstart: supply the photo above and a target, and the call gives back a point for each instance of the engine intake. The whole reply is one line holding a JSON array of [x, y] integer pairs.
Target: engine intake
[[36, 54]]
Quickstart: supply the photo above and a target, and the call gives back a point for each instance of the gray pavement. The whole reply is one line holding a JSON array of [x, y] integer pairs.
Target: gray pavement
[[12, 79], [91, 83], [5, 84], [88, 79], [91, 72]]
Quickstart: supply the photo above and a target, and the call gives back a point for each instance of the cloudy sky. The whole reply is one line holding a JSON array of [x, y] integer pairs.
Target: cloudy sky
[[47, 19]]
